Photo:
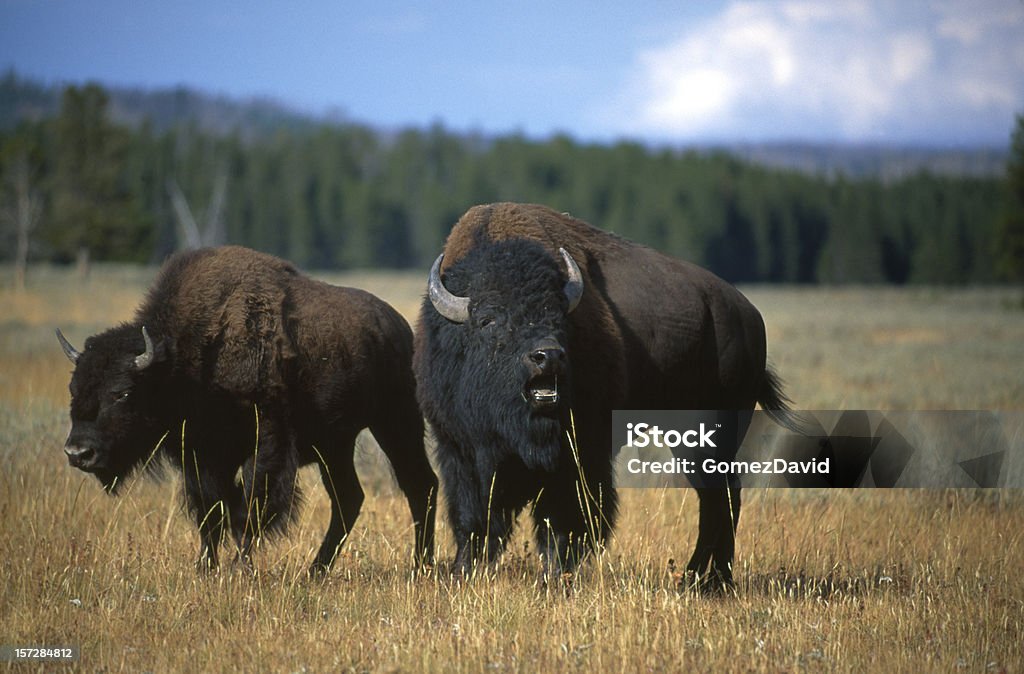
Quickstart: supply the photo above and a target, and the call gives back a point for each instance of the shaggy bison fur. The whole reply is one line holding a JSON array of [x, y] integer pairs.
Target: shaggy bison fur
[[237, 370], [536, 326]]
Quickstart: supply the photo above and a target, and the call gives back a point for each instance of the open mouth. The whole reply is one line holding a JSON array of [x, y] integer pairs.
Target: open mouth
[[541, 391]]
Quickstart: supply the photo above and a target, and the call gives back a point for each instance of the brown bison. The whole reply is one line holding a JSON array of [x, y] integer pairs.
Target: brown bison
[[238, 370], [536, 326]]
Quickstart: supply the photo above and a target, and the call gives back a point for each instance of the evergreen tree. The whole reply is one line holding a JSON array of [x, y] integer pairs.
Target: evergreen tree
[[344, 195], [1009, 248], [94, 212]]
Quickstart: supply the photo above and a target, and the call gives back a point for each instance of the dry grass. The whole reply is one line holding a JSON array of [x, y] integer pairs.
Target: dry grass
[[836, 581]]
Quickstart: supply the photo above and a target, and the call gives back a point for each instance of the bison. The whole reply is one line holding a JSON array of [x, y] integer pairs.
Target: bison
[[537, 325], [237, 370]]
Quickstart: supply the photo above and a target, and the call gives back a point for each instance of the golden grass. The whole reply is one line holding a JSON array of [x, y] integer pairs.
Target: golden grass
[[835, 581]]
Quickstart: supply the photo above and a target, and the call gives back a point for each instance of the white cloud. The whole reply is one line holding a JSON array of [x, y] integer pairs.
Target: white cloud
[[970, 22], [855, 70], [691, 97], [911, 55], [814, 11]]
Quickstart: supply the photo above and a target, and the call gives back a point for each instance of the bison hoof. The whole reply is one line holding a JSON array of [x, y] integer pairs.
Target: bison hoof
[[318, 570], [712, 584], [244, 563], [206, 566], [470, 569]]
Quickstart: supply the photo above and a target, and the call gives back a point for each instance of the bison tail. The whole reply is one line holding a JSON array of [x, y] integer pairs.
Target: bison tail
[[776, 405]]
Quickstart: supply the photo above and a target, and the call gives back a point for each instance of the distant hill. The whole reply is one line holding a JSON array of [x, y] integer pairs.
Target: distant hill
[[167, 108], [218, 114], [884, 162], [164, 108]]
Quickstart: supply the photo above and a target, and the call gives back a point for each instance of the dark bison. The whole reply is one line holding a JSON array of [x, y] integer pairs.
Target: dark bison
[[238, 370], [536, 326]]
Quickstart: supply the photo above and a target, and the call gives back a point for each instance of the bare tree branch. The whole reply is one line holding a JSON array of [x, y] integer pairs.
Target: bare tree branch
[[188, 231], [23, 214], [213, 229]]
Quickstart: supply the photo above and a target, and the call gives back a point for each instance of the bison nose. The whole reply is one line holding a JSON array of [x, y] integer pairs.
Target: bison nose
[[548, 357], [79, 456]]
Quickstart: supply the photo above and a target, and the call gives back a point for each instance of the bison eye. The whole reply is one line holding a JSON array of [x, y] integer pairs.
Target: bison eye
[[121, 396], [486, 321]]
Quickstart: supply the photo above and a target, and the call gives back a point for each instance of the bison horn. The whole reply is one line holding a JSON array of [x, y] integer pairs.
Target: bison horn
[[71, 352], [145, 359], [574, 286], [452, 307]]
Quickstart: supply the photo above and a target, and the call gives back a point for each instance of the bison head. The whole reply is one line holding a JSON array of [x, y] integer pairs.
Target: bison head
[[113, 403], [505, 338]]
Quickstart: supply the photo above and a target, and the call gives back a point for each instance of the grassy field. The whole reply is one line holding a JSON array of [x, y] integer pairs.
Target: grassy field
[[827, 581]]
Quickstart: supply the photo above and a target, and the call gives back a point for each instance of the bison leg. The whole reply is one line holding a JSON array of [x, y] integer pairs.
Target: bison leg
[[573, 519], [719, 514], [716, 539], [268, 483], [485, 539], [402, 442], [338, 473], [576, 512], [562, 545], [465, 511], [481, 522], [211, 499]]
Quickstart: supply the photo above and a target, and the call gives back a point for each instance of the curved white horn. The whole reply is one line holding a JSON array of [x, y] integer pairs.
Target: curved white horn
[[145, 359], [574, 286], [71, 352], [452, 307]]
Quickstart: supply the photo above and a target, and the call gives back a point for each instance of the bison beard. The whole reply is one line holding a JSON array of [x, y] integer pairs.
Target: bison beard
[[238, 370], [499, 329]]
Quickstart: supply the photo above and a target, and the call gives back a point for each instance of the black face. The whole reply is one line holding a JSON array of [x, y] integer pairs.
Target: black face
[[113, 421], [508, 363]]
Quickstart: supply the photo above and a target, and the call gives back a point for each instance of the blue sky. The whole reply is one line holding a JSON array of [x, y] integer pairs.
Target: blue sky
[[910, 72]]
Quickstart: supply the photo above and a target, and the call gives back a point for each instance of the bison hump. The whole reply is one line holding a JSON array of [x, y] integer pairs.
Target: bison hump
[[253, 345], [226, 311]]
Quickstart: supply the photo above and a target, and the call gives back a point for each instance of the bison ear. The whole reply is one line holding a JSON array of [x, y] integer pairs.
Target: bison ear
[[574, 286], [147, 357], [71, 352]]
